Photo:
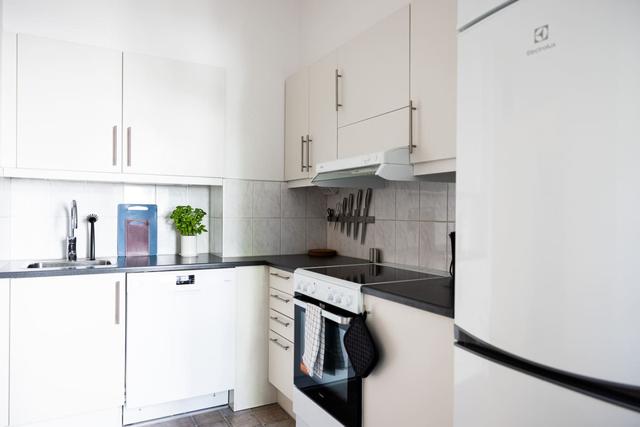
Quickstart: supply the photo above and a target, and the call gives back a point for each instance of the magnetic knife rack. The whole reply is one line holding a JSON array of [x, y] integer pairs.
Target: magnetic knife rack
[[352, 219]]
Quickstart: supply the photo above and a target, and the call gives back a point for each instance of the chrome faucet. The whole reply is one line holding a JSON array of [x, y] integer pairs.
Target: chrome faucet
[[72, 254]]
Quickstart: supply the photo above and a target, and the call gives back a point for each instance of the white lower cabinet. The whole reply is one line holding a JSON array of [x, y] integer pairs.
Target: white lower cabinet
[[4, 352], [180, 336], [281, 331], [67, 351], [415, 374]]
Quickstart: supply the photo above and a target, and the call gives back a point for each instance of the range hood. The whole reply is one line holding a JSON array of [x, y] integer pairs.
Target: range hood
[[368, 170]]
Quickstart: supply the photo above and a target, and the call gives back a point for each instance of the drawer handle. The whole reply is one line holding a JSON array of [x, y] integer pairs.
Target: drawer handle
[[276, 296], [282, 322], [186, 280], [280, 276], [275, 340]]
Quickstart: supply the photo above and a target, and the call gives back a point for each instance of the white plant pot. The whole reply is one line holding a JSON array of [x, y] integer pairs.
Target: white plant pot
[[188, 246]]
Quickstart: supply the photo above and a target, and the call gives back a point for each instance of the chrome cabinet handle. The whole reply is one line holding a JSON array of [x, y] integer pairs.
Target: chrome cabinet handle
[[282, 322], [114, 148], [280, 276], [278, 297], [129, 146], [117, 303], [275, 340], [308, 152], [411, 110], [302, 154], [338, 104]]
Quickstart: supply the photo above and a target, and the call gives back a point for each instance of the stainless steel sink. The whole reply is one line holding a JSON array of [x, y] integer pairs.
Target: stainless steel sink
[[70, 264]]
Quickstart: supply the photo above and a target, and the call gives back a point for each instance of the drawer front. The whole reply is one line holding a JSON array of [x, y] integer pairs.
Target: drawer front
[[281, 324], [281, 280], [281, 364], [281, 302]]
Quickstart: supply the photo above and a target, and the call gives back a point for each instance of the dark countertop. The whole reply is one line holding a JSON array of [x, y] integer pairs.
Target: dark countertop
[[17, 269], [433, 295]]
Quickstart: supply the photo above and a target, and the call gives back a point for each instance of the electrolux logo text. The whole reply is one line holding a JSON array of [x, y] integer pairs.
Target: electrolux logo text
[[541, 34]]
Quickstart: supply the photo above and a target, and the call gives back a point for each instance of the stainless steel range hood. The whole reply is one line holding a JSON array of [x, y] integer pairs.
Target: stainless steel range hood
[[369, 170]]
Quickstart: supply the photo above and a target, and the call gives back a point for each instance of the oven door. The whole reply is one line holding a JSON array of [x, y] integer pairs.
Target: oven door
[[339, 391]]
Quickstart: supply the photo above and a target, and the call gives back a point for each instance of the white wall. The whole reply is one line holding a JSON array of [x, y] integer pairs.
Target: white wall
[[327, 24], [256, 41]]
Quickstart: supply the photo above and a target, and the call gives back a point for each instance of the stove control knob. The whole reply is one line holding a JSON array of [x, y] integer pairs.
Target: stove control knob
[[348, 300], [305, 287], [314, 287], [339, 299], [330, 297]]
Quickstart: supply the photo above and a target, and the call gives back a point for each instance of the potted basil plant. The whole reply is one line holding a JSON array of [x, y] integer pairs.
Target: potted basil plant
[[188, 222]]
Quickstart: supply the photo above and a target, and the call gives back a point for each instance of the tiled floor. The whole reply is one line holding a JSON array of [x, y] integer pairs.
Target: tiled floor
[[264, 416]]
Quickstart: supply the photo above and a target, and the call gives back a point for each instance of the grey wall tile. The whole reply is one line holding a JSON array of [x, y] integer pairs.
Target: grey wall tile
[[316, 203], [407, 242], [407, 201], [433, 201], [433, 245], [215, 235], [198, 197], [215, 201], [293, 201], [451, 202], [386, 239], [237, 196], [139, 193], [384, 200], [266, 236], [168, 197], [237, 235], [316, 233], [266, 199], [292, 236]]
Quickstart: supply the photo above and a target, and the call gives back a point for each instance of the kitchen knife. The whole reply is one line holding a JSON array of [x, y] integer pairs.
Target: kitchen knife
[[367, 203], [356, 225], [344, 214], [338, 214], [350, 213]]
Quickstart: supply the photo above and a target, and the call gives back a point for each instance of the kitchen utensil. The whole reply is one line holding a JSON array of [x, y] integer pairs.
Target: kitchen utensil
[[350, 214], [367, 203], [356, 225], [338, 213], [344, 214], [374, 254], [137, 230], [92, 218], [321, 252]]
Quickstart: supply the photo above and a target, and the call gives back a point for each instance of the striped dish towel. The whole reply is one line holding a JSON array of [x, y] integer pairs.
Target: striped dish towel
[[313, 356]]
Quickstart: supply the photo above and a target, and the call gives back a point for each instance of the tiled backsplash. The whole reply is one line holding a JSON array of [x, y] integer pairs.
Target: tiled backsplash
[[268, 218], [413, 221], [34, 215]]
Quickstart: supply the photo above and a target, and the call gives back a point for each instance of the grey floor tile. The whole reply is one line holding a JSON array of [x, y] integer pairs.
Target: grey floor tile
[[179, 422], [286, 423], [270, 414], [210, 419], [243, 420]]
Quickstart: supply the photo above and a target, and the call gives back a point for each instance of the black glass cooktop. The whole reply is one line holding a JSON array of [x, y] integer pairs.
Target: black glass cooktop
[[367, 274]]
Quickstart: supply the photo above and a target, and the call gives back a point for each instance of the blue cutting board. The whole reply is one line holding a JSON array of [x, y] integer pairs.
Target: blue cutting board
[[136, 212]]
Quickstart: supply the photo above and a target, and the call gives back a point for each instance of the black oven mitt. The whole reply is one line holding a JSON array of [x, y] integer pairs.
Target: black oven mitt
[[360, 347]]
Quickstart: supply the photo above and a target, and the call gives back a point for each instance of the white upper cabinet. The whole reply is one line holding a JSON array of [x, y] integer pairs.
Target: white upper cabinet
[[69, 100], [323, 115], [374, 70], [433, 85], [67, 348], [173, 115], [296, 126]]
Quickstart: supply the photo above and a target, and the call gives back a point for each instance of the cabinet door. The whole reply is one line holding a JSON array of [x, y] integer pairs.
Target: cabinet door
[[69, 106], [323, 115], [67, 346], [180, 335], [375, 70], [433, 79], [4, 352], [296, 125], [173, 115]]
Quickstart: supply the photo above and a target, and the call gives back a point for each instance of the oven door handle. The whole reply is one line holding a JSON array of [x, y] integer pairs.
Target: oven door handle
[[340, 320]]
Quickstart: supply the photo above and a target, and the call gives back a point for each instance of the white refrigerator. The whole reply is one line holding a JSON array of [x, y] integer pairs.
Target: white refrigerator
[[548, 214]]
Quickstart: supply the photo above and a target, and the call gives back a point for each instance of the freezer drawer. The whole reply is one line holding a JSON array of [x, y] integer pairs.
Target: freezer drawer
[[488, 394], [180, 335]]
